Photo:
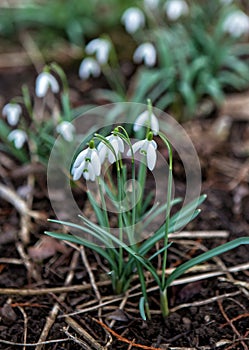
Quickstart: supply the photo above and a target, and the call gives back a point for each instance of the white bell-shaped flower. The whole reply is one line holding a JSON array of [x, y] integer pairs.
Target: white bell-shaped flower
[[89, 67], [44, 81], [18, 137], [67, 130], [236, 24], [104, 151], [145, 52], [100, 47], [176, 8], [147, 119], [87, 164], [148, 148], [12, 111], [133, 19]]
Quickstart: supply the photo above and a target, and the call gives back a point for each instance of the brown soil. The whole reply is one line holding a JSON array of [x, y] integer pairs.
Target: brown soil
[[208, 313]]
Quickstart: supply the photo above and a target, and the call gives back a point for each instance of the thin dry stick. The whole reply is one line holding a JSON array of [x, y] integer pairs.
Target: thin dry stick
[[91, 276], [90, 273], [88, 338], [28, 264], [124, 340], [230, 323], [10, 196], [25, 319], [77, 341], [54, 312]]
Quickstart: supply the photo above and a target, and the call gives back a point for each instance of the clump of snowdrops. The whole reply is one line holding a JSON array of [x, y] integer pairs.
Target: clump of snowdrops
[[110, 162], [30, 124]]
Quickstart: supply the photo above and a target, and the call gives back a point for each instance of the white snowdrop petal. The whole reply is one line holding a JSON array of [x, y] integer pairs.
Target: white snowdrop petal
[[145, 52], [80, 158], [18, 137], [154, 124], [151, 156], [77, 172], [141, 120], [66, 129], [137, 145], [120, 144], [95, 162], [43, 82], [133, 19], [12, 111], [176, 8], [101, 47], [89, 67], [236, 24]]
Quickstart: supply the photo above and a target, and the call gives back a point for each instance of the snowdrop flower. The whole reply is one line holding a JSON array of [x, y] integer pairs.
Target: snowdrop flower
[[133, 19], [89, 66], [147, 119], [236, 24], [145, 52], [66, 130], [176, 8], [18, 137], [151, 4], [102, 49], [87, 164], [12, 111], [104, 151], [43, 82], [148, 148]]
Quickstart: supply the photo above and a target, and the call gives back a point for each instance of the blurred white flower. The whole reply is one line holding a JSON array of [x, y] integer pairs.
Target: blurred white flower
[[18, 137], [236, 24], [43, 82], [67, 130], [145, 52], [102, 49], [147, 148], [89, 67], [147, 119], [87, 164], [151, 4], [176, 8], [12, 111], [133, 19], [104, 151]]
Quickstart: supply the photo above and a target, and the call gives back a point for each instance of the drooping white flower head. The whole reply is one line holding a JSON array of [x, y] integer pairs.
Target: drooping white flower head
[[12, 111], [102, 49], [44, 81], [89, 67], [236, 24], [67, 130], [18, 137], [147, 148], [87, 164], [145, 52], [133, 19], [147, 119], [151, 4], [175, 9], [104, 151]]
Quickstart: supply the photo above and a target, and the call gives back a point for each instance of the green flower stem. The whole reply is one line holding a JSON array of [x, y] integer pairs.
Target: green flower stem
[[143, 288], [103, 204], [163, 298], [164, 302], [141, 180], [120, 216]]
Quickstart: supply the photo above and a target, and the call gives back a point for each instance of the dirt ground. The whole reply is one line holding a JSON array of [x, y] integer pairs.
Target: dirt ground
[[57, 296]]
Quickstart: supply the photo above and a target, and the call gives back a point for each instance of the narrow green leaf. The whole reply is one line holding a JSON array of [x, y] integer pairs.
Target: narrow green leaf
[[206, 256]]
